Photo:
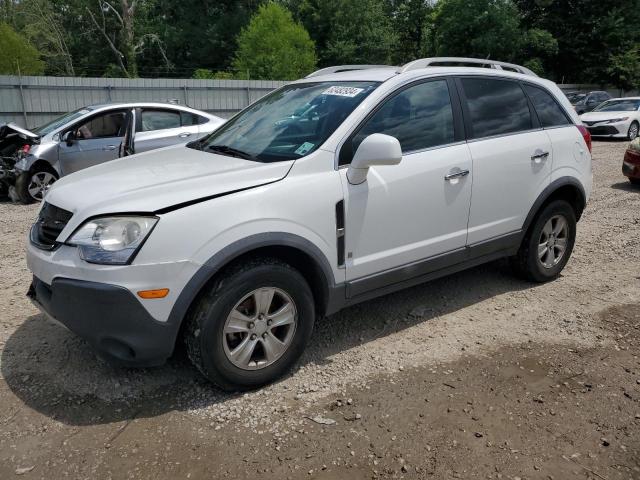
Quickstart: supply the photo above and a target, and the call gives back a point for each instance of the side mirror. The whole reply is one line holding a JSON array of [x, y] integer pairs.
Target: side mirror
[[376, 149], [69, 137]]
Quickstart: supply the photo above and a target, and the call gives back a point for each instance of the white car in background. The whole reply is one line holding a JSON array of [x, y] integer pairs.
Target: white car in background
[[618, 117]]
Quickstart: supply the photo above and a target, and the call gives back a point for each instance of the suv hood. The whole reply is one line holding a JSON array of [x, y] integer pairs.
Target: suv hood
[[159, 180]]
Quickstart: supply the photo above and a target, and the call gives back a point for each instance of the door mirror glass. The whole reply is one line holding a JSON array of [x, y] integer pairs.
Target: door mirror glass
[[376, 149]]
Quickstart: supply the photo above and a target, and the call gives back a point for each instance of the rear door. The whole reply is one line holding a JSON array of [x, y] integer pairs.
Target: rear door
[[511, 156], [94, 141], [158, 127]]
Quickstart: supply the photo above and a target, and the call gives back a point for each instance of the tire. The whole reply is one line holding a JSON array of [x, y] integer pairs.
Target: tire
[[528, 262], [635, 181], [212, 350], [32, 185], [634, 130]]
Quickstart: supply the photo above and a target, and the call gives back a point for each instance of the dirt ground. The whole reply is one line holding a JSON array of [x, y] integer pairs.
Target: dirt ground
[[478, 375]]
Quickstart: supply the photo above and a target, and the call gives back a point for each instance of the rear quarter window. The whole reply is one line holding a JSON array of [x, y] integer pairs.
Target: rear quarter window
[[549, 112], [496, 107]]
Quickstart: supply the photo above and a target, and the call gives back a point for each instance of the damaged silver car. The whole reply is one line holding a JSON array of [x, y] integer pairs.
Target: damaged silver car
[[32, 160]]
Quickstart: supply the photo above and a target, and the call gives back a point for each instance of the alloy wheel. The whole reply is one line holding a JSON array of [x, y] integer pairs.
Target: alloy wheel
[[260, 328], [633, 131], [553, 241], [39, 184]]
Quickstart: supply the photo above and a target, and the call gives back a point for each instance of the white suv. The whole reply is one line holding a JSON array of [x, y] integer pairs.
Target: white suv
[[351, 183]]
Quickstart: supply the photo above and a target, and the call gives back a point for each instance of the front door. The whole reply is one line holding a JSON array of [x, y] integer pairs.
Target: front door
[[407, 214], [94, 141]]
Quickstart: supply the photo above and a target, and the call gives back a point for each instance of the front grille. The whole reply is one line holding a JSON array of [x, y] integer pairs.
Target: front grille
[[603, 130], [48, 226]]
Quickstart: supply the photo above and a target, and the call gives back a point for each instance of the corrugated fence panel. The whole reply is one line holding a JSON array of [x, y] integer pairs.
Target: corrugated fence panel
[[40, 99]]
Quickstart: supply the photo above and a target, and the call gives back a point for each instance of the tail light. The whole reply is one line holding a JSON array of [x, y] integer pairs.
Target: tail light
[[586, 135]]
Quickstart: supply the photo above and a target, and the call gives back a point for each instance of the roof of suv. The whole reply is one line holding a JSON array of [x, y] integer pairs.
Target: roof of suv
[[385, 73]]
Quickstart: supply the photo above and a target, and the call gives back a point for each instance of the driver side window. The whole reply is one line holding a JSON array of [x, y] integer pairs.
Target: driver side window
[[106, 125], [420, 117]]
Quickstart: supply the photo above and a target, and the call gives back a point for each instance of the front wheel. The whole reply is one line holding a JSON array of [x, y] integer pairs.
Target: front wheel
[[635, 181], [547, 246], [32, 186], [252, 326], [634, 130]]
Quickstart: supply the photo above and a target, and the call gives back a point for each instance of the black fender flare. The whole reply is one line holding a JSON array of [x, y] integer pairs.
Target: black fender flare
[[268, 239], [546, 194]]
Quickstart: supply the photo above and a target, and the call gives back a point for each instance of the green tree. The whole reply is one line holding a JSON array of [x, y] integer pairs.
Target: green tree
[[477, 28], [274, 46], [624, 69], [410, 21], [348, 31], [18, 55]]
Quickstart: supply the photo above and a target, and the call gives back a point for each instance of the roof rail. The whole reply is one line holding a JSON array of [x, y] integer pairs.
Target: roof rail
[[343, 68], [445, 61]]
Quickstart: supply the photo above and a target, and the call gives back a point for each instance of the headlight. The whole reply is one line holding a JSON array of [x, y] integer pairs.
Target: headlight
[[616, 120], [112, 240]]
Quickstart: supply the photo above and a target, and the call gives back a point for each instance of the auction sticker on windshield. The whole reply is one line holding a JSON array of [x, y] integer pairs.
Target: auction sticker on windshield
[[304, 148], [343, 91]]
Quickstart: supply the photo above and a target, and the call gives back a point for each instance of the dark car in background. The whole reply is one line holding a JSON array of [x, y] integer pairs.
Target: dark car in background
[[631, 162], [589, 101]]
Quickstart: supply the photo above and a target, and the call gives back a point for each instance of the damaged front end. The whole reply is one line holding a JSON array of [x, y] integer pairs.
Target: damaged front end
[[15, 144]]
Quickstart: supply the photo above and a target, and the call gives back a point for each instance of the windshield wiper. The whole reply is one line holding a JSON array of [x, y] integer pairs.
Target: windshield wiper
[[232, 152]]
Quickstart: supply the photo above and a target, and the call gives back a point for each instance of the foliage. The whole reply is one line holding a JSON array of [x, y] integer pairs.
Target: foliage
[[348, 31], [274, 46], [206, 74], [624, 69], [477, 28], [18, 55]]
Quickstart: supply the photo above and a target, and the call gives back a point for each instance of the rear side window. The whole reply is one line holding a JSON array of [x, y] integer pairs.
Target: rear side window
[[496, 107], [420, 117], [159, 120], [549, 112], [189, 119]]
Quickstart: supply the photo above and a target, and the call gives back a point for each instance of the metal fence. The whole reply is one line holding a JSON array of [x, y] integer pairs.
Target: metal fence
[[33, 101]]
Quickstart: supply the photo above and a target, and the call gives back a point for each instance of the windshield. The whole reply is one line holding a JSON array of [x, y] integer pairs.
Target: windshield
[[577, 98], [618, 106], [289, 123], [60, 121]]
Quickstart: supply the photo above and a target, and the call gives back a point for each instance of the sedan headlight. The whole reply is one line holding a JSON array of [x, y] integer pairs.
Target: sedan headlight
[[112, 240], [616, 120]]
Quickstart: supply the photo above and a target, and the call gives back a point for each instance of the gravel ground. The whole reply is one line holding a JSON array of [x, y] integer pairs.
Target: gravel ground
[[478, 375]]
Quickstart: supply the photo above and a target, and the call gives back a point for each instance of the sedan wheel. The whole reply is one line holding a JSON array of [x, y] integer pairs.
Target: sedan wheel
[[634, 129], [33, 186]]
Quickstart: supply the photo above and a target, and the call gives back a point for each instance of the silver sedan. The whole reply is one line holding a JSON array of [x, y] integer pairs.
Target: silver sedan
[[33, 160]]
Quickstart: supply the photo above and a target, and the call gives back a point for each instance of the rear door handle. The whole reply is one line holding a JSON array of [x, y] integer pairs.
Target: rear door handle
[[539, 156], [457, 174], [109, 147], [184, 135]]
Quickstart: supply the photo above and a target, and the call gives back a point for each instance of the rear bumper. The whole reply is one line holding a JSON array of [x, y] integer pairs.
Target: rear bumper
[[109, 317]]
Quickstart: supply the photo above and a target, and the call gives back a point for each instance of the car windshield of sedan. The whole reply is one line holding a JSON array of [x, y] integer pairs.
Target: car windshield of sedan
[[60, 121], [619, 106], [289, 123]]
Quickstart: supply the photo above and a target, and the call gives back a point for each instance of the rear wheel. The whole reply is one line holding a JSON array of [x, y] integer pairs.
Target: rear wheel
[[252, 326], [32, 186], [548, 244], [634, 130]]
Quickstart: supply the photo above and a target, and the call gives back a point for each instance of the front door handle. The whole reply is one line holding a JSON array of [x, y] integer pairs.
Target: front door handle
[[184, 135], [109, 147], [539, 156], [457, 174]]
